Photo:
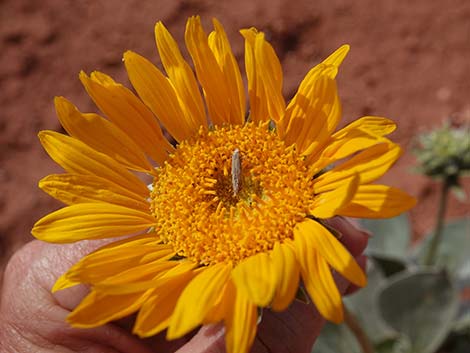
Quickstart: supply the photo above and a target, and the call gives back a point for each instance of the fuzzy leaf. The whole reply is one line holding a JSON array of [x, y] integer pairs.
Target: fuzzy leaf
[[422, 306], [336, 339], [364, 305], [391, 237], [453, 249]]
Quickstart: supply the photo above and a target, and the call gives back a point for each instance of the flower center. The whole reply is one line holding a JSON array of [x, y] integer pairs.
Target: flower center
[[230, 193]]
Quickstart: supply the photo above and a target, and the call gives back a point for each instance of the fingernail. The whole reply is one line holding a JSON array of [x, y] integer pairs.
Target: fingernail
[[366, 232]]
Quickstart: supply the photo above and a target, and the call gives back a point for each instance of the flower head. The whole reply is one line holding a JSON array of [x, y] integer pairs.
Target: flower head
[[232, 219]]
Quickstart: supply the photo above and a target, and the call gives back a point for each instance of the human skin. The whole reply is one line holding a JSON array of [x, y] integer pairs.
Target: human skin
[[32, 319]]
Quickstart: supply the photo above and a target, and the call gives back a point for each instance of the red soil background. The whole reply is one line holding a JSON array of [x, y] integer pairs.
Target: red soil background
[[410, 61]]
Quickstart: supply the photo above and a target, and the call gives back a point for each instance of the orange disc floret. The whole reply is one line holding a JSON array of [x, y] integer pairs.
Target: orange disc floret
[[198, 211]]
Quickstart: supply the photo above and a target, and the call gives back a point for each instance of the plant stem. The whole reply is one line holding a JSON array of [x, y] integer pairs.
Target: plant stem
[[436, 239], [361, 337]]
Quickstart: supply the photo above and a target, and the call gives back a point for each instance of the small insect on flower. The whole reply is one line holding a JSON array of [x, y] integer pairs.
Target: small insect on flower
[[208, 245], [236, 171]]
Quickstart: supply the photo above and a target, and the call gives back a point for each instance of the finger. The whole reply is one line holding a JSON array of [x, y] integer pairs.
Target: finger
[[293, 330], [296, 329], [353, 237], [209, 339], [57, 259], [30, 317], [362, 261]]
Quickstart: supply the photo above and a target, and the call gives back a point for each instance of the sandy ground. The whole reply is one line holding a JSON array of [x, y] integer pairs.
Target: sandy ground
[[409, 61]]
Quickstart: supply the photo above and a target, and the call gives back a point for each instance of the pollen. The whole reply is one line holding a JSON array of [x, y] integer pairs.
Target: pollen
[[210, 215]]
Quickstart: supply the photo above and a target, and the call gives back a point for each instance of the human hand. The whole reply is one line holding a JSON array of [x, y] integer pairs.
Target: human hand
[[32, 319]]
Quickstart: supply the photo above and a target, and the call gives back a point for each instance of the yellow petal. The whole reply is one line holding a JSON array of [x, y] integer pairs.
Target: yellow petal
[[78, 158], [324, 292], [373, 125], [221, 307], [378, 201], [337, 149], [337, 57], [220, 46], [112, 259], [331, 250], [327, 204], [63, 282], [370, 165], [197, 299], [329, 68], [133, 274], [90, 221], [350, 143], [181, 76], [313, 115], [150, 238], [128, 112], [255, 277], [209, 73], [240, 324], [98, 309], [264, 75], [357, 136], [317, 277], [155, 314], [73, 188], [269, 77], [286, 267], [165, 274], [159, 95], [258, 107], [101, 135]]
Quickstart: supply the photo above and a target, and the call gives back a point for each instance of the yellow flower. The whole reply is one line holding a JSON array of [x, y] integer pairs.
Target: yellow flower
[[232, 219]]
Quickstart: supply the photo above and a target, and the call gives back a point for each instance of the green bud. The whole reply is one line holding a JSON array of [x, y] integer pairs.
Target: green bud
[[444, 153]]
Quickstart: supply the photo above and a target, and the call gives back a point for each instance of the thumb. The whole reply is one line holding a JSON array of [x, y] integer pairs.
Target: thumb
[[209, 339]]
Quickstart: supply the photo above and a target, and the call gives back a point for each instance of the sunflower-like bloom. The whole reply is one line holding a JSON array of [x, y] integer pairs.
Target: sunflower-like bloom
[[233, 217]]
